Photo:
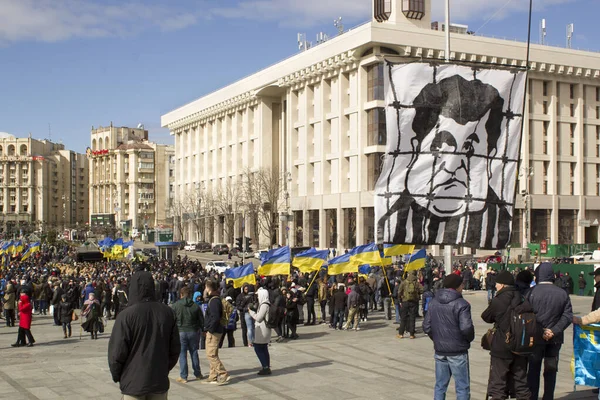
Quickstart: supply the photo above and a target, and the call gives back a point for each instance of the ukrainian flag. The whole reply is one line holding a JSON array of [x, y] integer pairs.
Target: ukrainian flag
[[19, 246], [11, 247], [416, 261], [364, 269], [4, 248], [276, 262], [117, 247], [310, 260], [366, 254], [586, 350], [27, 254], [343, 264], [241, 275], [397, 249]]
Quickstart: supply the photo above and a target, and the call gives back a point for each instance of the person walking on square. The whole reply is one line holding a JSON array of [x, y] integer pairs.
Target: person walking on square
[[505, 366], [448, 323], [144, 344], [189, 322], [214, 329], [554, 314], [64, 311], [9, 305], [353, 311], [25, 316], [262, 331], [91, 313], [410, 292]]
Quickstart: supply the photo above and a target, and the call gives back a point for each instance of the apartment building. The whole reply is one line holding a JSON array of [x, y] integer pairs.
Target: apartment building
[[318, 117], [42, 186], [129, 179]]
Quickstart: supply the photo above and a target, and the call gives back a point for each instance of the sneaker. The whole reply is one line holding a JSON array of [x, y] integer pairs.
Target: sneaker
[[199, 377], [208, 381], [223, 381], [181, 380], [399, 336], [357, 329], [264, 371], [412, 336]]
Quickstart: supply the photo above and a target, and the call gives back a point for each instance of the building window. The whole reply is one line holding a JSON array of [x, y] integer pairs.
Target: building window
[[573, 127], [598, 94], [597, 112], [572, 91], [545, 147], [376, 127], [545, 87], [375, 162], [572, 148], [375, 82], [413, 9], [545, 107]]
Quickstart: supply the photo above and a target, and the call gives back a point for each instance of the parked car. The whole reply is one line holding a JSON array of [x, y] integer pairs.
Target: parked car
[[582, 256], [203, 246], [190, 247], [217, 266], [221, 248], [150, 252], [235, 252]]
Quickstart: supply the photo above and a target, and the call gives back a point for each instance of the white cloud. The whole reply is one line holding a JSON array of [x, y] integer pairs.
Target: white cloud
[[309, 13], [56, 20]]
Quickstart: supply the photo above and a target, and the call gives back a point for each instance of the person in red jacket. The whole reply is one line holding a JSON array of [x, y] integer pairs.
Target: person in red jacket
[[25, 313]]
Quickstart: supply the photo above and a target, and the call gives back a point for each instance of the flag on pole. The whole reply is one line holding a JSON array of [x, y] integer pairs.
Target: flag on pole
[[310, 260], [276, 262], [397, 249], [241, 275], [366, 254], [343, 264], [416, 261]]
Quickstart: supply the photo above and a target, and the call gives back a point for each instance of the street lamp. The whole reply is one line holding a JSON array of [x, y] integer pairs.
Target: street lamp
[[146, 222], [526, 173]]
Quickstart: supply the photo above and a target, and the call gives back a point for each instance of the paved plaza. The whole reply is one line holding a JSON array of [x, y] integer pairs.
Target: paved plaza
[[323, 364]]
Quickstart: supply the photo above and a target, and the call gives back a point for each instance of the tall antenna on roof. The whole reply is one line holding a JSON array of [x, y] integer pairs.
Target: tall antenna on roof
[[49, 132], [570, 30], [339, 25], [543, 32]]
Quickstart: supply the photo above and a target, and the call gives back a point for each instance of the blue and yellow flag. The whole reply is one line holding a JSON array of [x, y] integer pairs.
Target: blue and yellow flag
[[343, 264], [117, 247], [416, 261], [397, 249], [310, 260], [19, 246], [241, 275], [366, 254], [586, 355], [276, 262], [35, 247], [11, 247], [4, 248]]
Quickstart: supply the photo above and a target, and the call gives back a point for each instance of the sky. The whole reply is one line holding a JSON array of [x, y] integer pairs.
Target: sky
[[68, 65]]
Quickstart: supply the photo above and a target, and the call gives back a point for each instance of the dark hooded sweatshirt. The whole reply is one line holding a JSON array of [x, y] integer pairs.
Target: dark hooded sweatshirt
[[551, 304], [144, 344]]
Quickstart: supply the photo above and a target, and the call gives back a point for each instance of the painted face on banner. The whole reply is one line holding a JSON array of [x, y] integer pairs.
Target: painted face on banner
[[451, 174]]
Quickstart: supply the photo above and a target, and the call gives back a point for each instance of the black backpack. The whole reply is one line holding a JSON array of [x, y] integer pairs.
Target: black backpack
[[274, 316], [523, 329]]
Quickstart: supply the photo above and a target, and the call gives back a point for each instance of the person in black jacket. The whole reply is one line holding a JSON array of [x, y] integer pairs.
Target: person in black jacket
[[554, 314], [596, 302], [311, 293], [505, 366], [448, 323], [214, 330], [144, 345], [338, 305]]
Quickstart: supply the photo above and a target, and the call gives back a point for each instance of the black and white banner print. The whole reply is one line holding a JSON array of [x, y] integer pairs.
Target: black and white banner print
[[453, 140]]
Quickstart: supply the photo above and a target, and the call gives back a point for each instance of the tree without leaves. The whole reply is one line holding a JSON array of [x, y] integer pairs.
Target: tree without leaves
[[271, 184]]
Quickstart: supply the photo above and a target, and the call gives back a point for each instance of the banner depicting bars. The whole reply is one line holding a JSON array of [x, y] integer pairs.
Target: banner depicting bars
[[452, 153]]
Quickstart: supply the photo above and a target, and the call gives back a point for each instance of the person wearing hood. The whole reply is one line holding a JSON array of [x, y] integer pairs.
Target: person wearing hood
[[91, 312], [262, 332], [64, 312], [25, 316], [9, 305], [505, 366], [554, 314], [144, 345], [353, 304], [190, 322], [448, 323]]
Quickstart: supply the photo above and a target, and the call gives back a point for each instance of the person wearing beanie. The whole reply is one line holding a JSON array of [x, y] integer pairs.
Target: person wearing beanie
[[448, 323], [505, 366], [554, 314]]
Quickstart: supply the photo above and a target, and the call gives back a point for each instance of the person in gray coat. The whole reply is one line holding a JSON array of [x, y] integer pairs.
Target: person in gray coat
[[262, 333]]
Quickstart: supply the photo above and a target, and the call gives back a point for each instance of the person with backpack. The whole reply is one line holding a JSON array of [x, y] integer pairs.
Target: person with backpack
[[214, 326], [264, 319], [231, 326], [409, 293], [448, 323], [554, 313], [505, 364], [353, 309]]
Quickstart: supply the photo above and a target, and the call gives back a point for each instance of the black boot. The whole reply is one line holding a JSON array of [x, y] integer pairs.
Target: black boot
[[69, 328]]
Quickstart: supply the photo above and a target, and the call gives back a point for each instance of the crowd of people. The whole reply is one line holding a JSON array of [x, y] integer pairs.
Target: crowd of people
[[190, 309]]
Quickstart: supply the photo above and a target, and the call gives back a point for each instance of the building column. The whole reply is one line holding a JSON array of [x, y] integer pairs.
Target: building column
[[306, 229], [581, 214], [360, 231], [324, 237], [554, 220], [281, 232], [341, 230], [292, 232]]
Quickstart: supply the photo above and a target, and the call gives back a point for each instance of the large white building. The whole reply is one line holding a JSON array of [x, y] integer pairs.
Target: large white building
[[318, 119]]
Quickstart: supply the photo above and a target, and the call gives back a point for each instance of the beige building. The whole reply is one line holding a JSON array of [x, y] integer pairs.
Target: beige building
[[42, 185], [129, 179], [318, 117]]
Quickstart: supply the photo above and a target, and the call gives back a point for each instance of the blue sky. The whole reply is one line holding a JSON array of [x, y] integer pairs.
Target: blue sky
[[74, 64]]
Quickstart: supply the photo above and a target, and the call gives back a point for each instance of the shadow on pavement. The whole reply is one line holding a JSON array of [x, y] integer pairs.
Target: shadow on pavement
[[251, 373], [580, 395]]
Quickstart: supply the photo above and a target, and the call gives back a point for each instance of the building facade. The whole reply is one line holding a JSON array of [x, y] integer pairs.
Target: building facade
[[318, 117], [129, 179], [42, 186]]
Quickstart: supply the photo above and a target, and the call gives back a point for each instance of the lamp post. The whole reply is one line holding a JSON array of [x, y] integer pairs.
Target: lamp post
[[526, 173], [146, 222]]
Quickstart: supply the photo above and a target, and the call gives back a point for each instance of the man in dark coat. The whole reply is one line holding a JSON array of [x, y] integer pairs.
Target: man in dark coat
[[596, 302], [144, 345], [505, 366], [448, 323]]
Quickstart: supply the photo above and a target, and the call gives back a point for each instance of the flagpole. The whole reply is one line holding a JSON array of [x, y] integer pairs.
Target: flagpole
[[313, 279], [447, 53]]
